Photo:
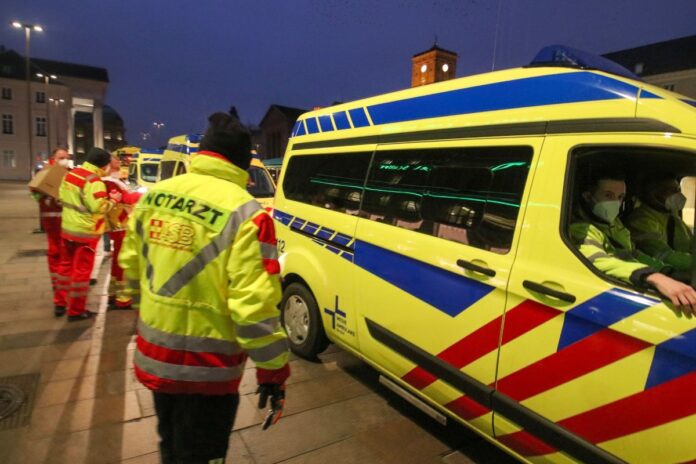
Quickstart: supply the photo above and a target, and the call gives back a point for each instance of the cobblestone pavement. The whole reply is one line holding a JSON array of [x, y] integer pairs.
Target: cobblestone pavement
[[86, 406]]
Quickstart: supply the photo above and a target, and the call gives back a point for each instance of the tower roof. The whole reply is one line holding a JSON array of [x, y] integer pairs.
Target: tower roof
[[435, 48]]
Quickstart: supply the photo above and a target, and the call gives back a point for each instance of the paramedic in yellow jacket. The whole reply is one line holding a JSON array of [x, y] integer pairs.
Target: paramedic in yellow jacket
[[657, 227], [200, 256], [603, 239], [85, 203]]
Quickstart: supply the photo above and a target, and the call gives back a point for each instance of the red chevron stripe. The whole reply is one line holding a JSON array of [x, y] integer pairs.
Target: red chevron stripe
[[466, 408], [660, 405], [518, 321], [526, 444], [599, 350]]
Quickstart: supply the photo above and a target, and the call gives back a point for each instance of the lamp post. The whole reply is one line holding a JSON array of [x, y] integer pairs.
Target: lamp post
[[47, 99], [28, 28], [158, 126], [56, 102]]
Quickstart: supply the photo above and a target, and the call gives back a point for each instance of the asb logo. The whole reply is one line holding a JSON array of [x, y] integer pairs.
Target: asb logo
[[171, 234]]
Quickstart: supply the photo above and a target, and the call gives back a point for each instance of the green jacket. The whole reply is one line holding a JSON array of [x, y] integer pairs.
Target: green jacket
[[609, 248], [649, 229], [201, 263]]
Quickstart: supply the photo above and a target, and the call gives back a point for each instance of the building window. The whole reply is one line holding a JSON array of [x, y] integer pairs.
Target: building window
[[40, 97], [6, 93], [119, 136], [80, 133], [107, 135], [7, 124], [669, 87], [80, 148], [8, 159], [41, 127], [638, 68]]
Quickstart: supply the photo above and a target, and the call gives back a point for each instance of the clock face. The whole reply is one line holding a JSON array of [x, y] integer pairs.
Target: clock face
[[424, 68], [445, 67]]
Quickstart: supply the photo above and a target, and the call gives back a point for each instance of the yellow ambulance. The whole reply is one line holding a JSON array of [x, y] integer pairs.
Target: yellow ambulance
[[426, 231], [144, 168], [179, 151], [125, 154]]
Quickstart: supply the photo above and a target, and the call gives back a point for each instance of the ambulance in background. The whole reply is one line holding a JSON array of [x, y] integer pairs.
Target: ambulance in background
[[182, 148], [144, 168], [125, 154]]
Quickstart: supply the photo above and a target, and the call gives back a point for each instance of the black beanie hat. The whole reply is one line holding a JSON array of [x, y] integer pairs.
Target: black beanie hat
[[98, 157], [228, 137]]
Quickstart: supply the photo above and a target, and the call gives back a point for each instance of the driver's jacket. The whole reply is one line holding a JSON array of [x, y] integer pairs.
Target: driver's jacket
[[200, 255]]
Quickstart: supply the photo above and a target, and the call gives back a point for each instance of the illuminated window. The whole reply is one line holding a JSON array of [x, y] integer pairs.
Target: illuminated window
[[41, 127], [6, 93], [40, 97], [8, 159]]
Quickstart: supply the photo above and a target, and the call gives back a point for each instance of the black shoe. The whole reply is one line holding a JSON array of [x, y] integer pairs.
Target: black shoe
[[81, 317], [92, 282], [58, 311]]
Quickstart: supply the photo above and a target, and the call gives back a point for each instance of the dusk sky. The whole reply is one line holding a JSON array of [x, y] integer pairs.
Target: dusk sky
[[177, 61]]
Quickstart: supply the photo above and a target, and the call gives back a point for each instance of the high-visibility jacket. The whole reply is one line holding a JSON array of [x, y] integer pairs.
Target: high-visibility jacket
[[201, 263], [610, 249], [655, 236], [85, 202]]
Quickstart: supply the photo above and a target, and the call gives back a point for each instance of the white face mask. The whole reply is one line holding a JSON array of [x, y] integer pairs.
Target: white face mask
[[607, 210], [63, 162], [675, 202]]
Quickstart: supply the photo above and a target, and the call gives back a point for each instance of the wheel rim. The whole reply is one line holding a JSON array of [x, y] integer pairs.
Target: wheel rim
[[296, 314]]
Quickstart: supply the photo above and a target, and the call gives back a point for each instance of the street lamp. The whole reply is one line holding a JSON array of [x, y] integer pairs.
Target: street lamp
[[27, 39], [46, 78], [158, 126]]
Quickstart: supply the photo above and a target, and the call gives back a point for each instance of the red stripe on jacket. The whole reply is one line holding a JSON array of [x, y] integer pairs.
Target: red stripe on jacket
[[189, 358]]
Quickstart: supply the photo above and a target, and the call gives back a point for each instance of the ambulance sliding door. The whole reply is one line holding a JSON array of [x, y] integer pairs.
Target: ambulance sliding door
[[435, 242]]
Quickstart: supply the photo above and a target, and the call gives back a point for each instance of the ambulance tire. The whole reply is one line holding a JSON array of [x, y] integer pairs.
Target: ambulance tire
[[304, 311]]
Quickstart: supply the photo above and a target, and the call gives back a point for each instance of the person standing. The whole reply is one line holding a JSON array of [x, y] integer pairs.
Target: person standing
[[116, 221], [50, 212], [85, 202], [200, 254]]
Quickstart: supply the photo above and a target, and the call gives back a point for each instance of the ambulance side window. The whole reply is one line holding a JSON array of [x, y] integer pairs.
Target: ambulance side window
[[180, 169], [167, 169], [333, 182], [466, 195]]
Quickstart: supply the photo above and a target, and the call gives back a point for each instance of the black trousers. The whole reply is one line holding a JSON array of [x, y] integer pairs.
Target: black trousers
[[194, 429]]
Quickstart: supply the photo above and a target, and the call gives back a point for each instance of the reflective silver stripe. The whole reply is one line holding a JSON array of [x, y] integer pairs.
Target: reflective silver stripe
[[79, 208], [589, 241], [269, 251], [187, 342], [268, 352], [597, 256], [211, 251], [51, 214], [90, 177], [187, 373], [260, 329]]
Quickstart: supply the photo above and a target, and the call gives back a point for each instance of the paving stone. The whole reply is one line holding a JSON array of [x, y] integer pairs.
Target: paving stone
[[296, 434], [85, 414]]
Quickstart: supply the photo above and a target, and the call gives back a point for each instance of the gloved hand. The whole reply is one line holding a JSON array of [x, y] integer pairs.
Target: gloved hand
[[277, 394]]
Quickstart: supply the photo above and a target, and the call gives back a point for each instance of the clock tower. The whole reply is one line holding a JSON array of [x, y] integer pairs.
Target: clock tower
[[433, 65]]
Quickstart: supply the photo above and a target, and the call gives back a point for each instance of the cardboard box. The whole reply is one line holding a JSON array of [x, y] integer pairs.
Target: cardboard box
[[47, 181]]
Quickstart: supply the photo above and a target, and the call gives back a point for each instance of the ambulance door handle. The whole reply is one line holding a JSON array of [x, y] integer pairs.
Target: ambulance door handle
[[468, 265], [552, 292]]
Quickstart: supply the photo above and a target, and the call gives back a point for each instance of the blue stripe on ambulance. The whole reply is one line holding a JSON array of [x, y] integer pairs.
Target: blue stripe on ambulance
[[599, 312], [555, 89], [673, 358], [449, 292]]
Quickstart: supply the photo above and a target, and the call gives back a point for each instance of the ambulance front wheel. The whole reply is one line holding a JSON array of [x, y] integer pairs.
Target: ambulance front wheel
[[302, 321]]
